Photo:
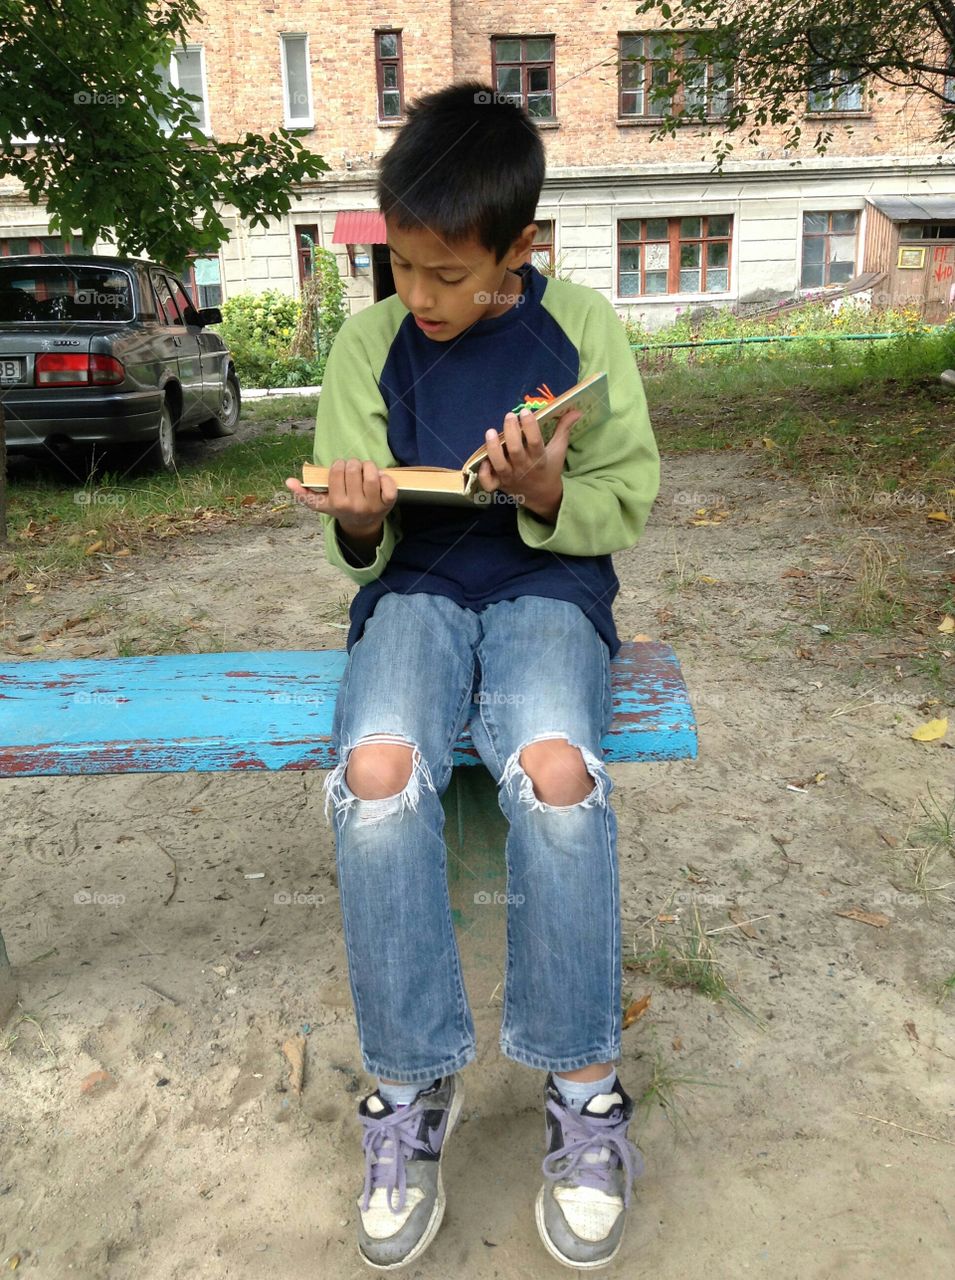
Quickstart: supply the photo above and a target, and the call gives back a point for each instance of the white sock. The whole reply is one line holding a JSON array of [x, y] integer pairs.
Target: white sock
[[575, 1093], [399, 1095]]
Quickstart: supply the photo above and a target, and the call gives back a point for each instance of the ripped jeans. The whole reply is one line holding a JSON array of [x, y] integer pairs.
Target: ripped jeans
[[537, 669]]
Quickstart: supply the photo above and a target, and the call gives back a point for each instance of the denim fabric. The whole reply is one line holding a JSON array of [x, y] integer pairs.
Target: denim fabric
[[537, 669]]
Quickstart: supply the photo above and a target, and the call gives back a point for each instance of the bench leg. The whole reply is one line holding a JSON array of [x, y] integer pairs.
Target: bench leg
[[475, 831], [8, 988]]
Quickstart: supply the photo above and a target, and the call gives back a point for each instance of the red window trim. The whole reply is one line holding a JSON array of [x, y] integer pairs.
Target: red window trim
[[675, 240], [525, 66], [380, 63]]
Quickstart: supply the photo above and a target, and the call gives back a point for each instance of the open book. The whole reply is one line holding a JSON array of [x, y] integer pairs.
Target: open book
[[460, 486]]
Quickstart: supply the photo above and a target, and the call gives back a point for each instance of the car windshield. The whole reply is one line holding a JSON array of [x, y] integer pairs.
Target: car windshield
[[54, 291]]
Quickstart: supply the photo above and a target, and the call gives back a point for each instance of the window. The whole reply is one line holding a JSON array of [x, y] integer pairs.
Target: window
[[928, 231], [828, 248], [296, 82], [523, 70], [186, 71], [306, 238], [204, 278], [389, 74], [834, 89], [41, 245], [542, 250], [168, 311], [674, 255], [644, 76]]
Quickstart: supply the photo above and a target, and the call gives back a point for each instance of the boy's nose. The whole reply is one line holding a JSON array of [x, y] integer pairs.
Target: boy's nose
[[420, 297]]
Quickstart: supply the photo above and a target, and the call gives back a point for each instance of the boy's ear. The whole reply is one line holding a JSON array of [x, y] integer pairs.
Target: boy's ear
[[520, 250]]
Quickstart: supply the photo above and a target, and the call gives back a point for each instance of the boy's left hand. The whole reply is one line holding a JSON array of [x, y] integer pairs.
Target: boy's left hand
[[530, 471]]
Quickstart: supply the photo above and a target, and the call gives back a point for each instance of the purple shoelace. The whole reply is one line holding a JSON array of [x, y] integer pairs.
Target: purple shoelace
[[585, 1135], [395, 1137]]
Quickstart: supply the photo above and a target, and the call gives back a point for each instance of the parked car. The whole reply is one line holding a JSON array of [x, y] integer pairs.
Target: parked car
[[97, 350]]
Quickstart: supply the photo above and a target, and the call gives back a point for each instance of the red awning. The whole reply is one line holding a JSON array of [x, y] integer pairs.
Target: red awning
[[359, 226]]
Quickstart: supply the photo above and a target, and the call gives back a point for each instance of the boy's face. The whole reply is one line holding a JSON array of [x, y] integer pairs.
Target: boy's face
[[449, 287]]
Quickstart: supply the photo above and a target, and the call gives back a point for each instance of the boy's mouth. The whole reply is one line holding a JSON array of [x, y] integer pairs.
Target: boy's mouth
[[429, 326]]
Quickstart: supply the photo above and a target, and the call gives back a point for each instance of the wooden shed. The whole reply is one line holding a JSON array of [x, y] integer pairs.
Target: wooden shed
[[913, 242]]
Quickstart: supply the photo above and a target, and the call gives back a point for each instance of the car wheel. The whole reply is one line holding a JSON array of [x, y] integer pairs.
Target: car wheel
[[162, 453], [224, 424]]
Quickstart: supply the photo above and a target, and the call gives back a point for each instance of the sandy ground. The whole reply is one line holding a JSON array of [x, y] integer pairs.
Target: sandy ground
[[821, 1139]]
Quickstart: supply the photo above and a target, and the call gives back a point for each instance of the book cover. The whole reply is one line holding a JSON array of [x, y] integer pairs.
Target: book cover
[[461, 486]]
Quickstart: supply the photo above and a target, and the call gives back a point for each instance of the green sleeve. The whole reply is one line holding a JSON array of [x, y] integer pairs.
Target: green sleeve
[[352, 421], [612, 472]]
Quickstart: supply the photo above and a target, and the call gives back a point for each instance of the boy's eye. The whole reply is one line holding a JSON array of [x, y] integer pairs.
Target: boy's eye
[[457, 280]]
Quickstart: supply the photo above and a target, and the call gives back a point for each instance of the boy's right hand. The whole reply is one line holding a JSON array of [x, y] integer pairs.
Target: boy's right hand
[[359, 497]]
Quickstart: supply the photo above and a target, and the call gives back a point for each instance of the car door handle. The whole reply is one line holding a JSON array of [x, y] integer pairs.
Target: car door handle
[[177, 342]]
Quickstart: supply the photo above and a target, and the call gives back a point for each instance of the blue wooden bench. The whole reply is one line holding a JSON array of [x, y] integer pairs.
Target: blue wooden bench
[[217, 712]]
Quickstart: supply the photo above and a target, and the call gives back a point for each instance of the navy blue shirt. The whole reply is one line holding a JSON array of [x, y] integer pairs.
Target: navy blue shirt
[[441, 399]]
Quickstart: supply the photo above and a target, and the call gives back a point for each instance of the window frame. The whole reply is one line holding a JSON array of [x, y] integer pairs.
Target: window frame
[[675, 242], [833, 87], [193, 284], [300, 251], [647, 60], [826, 235], [545, 245], [524, 67], [172, 71], [380, 63], [308, 121]]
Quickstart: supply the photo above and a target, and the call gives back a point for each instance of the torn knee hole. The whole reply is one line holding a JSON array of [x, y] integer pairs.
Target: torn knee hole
[[378, 768], [555, 773]]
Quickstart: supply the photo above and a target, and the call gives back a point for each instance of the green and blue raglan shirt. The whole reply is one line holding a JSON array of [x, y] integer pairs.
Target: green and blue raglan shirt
[[398, 398]]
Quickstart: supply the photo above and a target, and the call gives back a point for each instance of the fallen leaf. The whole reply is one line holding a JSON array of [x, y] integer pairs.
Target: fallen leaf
[[739, 917], [891, 841], [640, 638], [7, 572], [938, 515], [677, 1043], [249, 500], [769, 444], [665, 919], [294, 1050], [910, 1030], [875, 918], [97, 546], [96, 1080], [710, 582], [795, 573], [636, 1009], [931, 731], [125, 551], [947, 625], [807, 654]]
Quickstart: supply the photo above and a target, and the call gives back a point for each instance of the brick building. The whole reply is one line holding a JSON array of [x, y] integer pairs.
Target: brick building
[[649, 224]]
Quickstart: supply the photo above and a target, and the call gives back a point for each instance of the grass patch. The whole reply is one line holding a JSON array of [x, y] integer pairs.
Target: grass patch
[[929, 851], [666, 1089], [688, 960], [57, 525]]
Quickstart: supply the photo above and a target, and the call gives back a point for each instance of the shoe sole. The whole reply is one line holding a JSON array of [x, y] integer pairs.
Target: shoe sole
[[556, 1253], [437, 1213]]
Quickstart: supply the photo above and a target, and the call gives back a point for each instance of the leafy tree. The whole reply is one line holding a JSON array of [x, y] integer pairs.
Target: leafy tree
[[118, 150], [788, 54]]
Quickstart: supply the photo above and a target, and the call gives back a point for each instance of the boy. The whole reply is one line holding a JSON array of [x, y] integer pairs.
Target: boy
[[510, 600]]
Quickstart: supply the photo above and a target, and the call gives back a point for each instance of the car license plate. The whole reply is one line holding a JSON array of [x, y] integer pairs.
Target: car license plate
[[11, 371]]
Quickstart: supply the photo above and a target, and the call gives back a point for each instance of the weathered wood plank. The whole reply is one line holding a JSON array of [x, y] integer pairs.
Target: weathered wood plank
[[217, 712]]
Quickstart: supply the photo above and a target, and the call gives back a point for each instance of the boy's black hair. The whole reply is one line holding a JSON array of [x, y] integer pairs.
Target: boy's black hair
[[467, 162]]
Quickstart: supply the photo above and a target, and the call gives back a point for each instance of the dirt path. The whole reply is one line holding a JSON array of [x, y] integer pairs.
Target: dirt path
[[192, 1161]]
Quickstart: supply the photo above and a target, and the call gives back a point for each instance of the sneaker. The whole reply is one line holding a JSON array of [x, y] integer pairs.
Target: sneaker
[[402, 1203], [589, 1166]]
